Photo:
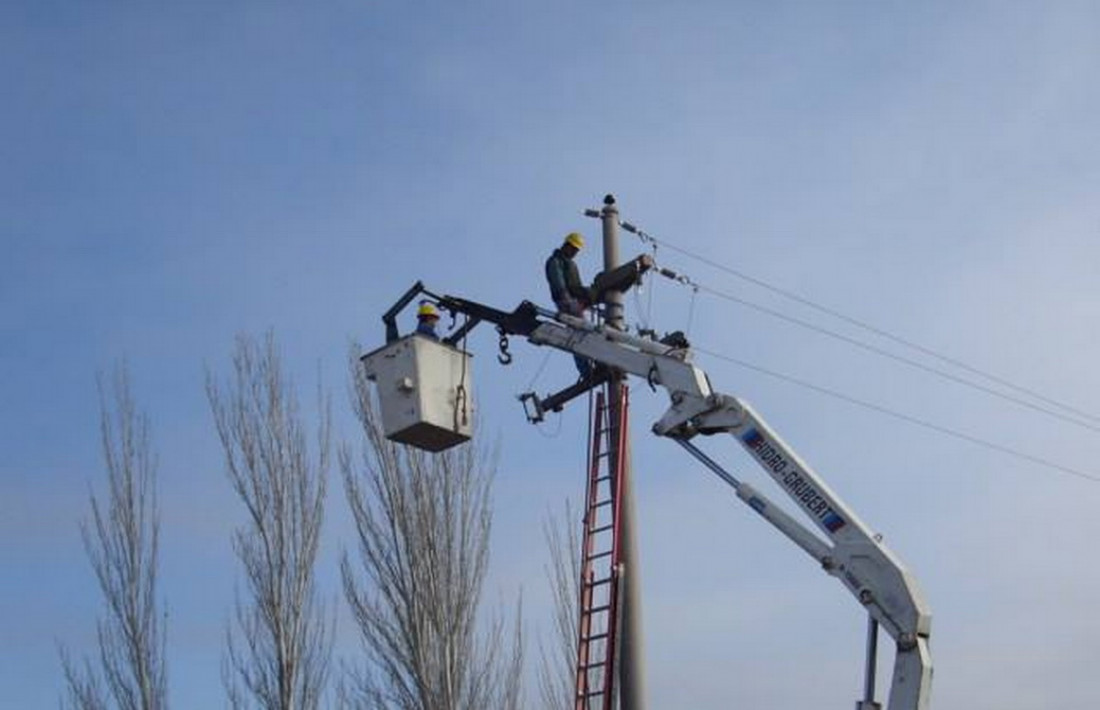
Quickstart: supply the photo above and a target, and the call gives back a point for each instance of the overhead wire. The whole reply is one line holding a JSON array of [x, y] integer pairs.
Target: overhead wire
[[883, 352], [652, 288], [855, 342], [902, 359], [691, 308], [644, 311], [538, 371], [647, 238], [546, 434], [1093, 477], [881, 409]]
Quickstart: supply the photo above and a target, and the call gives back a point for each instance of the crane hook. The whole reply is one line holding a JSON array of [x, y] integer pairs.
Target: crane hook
[[504, 357]]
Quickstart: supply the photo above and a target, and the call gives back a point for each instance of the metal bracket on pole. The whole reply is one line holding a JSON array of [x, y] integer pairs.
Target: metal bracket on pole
[[536, 408], [532, 407]]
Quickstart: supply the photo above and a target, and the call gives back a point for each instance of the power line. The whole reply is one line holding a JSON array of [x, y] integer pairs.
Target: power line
[[696, 287], [899, 358], [645, 237], [1093, 477]]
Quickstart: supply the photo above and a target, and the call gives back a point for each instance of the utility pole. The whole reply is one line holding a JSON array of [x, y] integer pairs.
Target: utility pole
[[631, 650]]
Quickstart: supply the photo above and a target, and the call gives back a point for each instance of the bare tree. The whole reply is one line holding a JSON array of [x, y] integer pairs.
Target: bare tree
[[415, 586], [122, 541], [558, 655], [279, 651]]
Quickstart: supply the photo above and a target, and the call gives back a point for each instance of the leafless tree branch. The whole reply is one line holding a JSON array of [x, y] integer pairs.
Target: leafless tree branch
[[558, 655], [278, 655], [122, 541], [415, 584]]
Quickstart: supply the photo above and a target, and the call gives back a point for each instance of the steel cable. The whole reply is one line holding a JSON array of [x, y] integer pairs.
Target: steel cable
[[1003, 382], [1093, 477]]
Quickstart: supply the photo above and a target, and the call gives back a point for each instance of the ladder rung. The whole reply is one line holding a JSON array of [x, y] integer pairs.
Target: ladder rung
[[601, 479], [602, 528], [599, 555], [596, 610], [597, 664], [602, 503], [598, 582], [595, 637], [593, 693]]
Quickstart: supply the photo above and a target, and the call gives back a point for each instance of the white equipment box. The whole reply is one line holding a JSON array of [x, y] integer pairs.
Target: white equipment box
[[425, 392]]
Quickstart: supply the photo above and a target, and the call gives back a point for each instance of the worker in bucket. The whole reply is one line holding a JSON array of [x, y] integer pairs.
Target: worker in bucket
[[427, 318], [569, 293]]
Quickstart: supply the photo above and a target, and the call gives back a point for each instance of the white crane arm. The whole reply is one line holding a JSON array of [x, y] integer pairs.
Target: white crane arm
[[851, 552]]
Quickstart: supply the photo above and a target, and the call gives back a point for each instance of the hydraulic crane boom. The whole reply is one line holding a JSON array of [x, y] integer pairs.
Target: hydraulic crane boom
[[852, 553], [846, 547]]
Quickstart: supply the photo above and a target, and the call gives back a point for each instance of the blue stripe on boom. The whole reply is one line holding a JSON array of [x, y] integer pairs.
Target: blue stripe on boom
[[833, 522]]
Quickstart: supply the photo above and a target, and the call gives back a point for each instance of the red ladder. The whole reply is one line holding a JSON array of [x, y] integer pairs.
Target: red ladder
[[600, 568]]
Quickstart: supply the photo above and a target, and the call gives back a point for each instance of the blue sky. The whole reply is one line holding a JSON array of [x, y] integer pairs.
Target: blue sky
[[172, 174]]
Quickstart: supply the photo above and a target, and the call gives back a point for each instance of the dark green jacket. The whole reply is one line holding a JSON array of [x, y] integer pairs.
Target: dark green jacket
[[565, 280]]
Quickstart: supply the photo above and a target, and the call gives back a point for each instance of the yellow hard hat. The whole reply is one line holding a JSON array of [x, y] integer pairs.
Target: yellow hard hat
[[427, 310], [575, 240]]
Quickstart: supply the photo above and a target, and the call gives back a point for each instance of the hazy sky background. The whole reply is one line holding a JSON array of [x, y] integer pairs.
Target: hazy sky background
[[172, 174]]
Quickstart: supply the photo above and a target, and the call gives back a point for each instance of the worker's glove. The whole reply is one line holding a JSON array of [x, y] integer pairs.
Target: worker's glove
[[645, 263]]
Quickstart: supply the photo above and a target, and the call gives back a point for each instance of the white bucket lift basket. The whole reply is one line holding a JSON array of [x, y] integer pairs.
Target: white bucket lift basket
[[425, 392]]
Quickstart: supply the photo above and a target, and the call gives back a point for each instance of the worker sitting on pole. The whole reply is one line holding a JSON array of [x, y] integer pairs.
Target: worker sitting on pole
[[566, 288], [427, 317], [569, 293]]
